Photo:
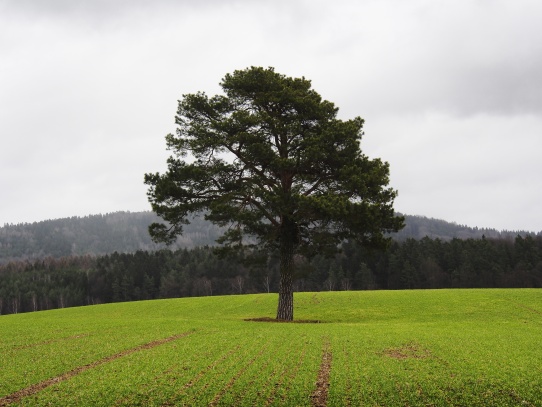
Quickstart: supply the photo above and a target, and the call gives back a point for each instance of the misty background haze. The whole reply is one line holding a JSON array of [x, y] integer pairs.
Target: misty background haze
[[450, 92]]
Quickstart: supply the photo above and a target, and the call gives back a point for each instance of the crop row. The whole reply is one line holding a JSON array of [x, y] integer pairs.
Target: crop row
[[199, 368], [491, 356]]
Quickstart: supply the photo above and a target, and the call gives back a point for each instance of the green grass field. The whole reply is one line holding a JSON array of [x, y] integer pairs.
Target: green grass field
[[372, 348]]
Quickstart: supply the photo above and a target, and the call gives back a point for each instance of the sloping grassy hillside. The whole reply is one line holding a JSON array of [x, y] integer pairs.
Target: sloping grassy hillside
[[416, 348]]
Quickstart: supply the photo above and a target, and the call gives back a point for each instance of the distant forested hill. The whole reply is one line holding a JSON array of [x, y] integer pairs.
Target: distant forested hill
[[418, 227], [126, 232], [122, 232]]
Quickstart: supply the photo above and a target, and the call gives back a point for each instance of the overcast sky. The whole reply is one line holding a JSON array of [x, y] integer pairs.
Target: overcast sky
[[451, 92]]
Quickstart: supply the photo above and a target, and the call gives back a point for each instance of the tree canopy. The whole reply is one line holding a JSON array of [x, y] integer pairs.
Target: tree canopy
[[270, 159]]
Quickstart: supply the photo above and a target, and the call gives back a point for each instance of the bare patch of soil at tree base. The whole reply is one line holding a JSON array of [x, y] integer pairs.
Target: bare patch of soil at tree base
[[295, 321]]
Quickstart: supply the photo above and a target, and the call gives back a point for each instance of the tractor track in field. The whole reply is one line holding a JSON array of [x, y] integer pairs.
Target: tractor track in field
[[520, 305], [36, 388], [319, 396], [529, 308]]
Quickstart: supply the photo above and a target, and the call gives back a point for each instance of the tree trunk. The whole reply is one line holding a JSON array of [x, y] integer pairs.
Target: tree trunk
[[285, 309]]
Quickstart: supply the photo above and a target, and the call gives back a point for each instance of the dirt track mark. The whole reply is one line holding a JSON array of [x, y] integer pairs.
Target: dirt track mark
[[36, 388], [528, 308], [319, 396], [520, 305]]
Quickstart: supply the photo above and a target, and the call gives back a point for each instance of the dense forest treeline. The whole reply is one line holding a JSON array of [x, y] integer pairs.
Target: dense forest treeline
[[126, 232], [33, 285]]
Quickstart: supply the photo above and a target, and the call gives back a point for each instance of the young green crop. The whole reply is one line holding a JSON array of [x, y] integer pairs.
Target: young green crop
[[416, 348]]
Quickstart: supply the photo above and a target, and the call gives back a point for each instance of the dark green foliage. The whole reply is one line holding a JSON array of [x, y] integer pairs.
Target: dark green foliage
[[418, 227], [412, 264], [122, 232], [126, 232], [270, 160], [293, 161]]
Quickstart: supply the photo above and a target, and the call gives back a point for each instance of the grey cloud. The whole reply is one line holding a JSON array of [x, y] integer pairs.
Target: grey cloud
[[462, 57], [450, 92], [105, 9]]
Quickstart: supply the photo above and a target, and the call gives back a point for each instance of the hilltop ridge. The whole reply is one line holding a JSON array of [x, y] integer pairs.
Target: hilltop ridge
[[126, 232]]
